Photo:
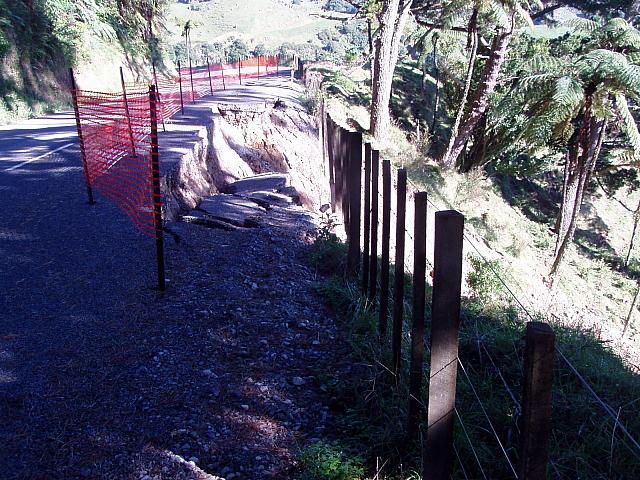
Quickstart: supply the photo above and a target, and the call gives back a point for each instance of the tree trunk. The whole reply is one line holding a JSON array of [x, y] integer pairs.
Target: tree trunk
[[577, 173], [393, 19], [480, 102], [478, 152], [436, 99], [630, 314], [472, 43]]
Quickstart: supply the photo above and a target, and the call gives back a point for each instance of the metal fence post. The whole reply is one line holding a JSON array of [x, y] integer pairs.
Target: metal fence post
[[240, 69], [157, 196], [258, 66], [224, 84], [386, 234], [83, 153], [155, 82], [180, 84], [536, 401], [367, 218], [193, 95], [355, 189], [398, 289], [126, 111], [445, 322], [373, 255], [417, 323], [209, 72]]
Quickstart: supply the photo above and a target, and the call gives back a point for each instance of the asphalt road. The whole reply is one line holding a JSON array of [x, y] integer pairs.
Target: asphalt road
[[70, 273]]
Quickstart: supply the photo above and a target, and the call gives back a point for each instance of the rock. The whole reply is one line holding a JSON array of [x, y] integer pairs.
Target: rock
[[236, 211], [267, 198], [292, 193], [256, 183], [244, 407], [298, 381]]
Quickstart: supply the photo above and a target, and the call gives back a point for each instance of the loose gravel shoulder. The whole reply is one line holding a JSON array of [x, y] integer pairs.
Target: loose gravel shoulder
[[216, 378], [104, 377]]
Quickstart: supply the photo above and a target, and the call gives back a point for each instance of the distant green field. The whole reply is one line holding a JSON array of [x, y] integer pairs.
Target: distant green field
[[271, 22]]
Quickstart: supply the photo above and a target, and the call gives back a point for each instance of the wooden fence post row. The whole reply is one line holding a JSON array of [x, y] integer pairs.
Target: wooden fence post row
[[346, 164]]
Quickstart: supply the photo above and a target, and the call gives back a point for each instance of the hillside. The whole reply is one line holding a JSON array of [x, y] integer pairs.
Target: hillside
[[271, 22]]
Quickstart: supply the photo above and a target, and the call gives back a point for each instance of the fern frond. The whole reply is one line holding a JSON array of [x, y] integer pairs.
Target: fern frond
[[535, 81], [567, 97], [542, 64], [523, 14], [625, 156], [579, 24], [495, 12], [629, 125]]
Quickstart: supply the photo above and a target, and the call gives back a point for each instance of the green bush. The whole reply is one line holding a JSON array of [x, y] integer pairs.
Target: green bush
[[483, 279], [327, 461]]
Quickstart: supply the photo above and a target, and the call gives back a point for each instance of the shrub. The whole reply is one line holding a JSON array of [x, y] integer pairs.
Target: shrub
[[327, 461]]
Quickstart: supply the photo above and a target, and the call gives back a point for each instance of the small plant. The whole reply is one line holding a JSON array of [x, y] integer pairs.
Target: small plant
[[483, 281], [327, 461], [312, 102], [328, 253]]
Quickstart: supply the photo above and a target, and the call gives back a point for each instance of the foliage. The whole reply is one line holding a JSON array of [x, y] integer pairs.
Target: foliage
[[237, 49], [483, 280], [42, 38], [327, 461], [328, 253]]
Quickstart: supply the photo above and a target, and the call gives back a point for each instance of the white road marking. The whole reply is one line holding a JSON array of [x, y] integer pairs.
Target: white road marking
[[37, 158]]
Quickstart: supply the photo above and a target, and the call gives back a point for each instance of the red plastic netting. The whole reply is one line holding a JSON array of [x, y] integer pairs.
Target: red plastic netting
[[116, 143], [116, 134]]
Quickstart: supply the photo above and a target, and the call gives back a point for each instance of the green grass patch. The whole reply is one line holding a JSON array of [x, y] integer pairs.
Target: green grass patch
[[372, 409]]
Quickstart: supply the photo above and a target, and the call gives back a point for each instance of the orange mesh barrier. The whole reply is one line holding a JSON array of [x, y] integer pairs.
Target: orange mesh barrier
[[116, 144]]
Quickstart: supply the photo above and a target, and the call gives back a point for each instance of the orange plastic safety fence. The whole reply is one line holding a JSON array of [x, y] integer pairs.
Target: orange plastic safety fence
[[116, 140], [116, 129]]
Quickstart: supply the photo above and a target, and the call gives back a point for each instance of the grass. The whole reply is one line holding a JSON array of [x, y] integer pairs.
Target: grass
[[259, 21], [511, 218], [372, 410]]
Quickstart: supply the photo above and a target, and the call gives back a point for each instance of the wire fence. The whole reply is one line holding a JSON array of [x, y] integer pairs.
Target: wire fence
[[339, 152]]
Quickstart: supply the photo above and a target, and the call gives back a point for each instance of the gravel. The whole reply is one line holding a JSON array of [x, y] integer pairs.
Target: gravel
[[214, 378]]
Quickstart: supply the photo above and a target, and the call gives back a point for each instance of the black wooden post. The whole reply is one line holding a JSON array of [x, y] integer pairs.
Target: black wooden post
[[157, 196], [355, 189], [277, 64], [240, 69], [339, 172], [373, 255], [83, 153], [386, 235], [180, 84], [127, 113], [344, 168], [398, 289], [417, 321], [331, 128], [224, 84], [367, 218], [258, 66], [536, 401], [209, 72], [193, 95], [445, 322]]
